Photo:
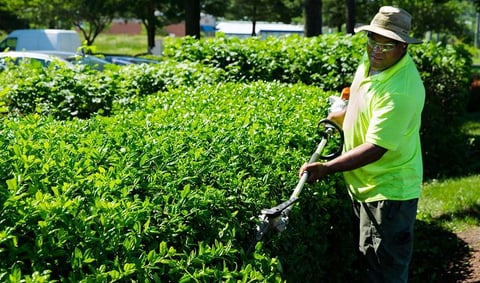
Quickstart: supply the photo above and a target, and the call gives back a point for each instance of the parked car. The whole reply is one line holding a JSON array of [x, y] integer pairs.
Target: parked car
[[41, 39], [15, 57], [79, 59], [126, 59]]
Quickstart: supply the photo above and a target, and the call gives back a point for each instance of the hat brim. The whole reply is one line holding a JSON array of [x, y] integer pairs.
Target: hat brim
[[389, 34]]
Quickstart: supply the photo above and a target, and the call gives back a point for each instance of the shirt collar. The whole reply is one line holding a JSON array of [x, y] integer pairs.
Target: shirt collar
[[387, 73]]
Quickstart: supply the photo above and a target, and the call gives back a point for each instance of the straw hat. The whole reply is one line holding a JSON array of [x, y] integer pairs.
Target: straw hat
[[391, 22]]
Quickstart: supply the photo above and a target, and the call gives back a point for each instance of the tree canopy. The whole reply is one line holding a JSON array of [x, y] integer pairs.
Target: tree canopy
[[445, 18]]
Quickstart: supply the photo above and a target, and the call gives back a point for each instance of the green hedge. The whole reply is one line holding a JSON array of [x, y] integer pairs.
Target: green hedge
[[329, 61], [446, 73], [326, 61], [169, 192], [164, 180]]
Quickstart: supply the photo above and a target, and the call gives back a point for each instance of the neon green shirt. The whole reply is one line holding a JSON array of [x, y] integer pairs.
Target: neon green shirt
[[385, 110]]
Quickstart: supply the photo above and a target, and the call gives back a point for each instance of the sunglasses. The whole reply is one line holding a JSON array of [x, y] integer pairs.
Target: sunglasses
[[384, 47]]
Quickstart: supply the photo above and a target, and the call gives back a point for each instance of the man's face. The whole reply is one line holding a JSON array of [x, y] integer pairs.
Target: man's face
[[383, 52]]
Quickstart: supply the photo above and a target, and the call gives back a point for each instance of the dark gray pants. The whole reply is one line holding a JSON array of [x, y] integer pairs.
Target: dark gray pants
[[385, 239]]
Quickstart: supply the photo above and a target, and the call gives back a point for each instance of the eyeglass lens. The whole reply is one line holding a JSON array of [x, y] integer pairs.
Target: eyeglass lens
[[384, 47]]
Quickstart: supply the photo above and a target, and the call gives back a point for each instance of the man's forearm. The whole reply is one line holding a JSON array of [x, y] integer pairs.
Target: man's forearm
[[360, 156]]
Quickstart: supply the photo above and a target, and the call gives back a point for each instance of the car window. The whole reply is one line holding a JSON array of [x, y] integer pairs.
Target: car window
[[32, 61], [41, 62], [9, 43], [92, 61]]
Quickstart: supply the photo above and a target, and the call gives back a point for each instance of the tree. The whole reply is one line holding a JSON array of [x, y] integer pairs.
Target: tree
[[248, 10], [334, 14], [286, 11], [441, 17], [92, 17], [350, 15], [154, 14], [41, 14], [264, 10], [339, 14], [476, 4], [216, 8], [192, 18], [313, 17], [9, 21]]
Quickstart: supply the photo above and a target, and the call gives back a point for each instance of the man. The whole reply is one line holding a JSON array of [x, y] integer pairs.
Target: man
[[382, 160]]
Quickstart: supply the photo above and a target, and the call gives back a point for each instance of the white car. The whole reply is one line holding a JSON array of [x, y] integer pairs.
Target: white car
[[15, 57]]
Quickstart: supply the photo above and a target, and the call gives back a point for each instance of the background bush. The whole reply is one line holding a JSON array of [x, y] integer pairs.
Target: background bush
[[60, 92], [328, 62], [446, 72]]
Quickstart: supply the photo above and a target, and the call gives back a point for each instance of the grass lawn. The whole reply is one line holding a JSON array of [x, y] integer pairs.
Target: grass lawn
[[121, 44], [472, 124], [452, 203]]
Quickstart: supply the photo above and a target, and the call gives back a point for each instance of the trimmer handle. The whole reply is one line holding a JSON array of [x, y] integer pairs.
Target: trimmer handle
[[327, 129], [277, 217]]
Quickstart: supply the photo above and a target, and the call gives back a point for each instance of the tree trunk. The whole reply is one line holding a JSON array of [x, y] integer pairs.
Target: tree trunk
[[192, 18], [151, 36], [254, 20], [350, 16], [313, 17], [150, 24]]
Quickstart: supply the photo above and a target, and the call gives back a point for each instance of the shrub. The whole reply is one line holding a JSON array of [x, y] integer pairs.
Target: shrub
[[139, 80], [169, 191], [446, 74], [62, 93], [326, 61]]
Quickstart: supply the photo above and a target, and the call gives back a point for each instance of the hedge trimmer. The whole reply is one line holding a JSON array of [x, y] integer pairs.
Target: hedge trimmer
[[276, 218]]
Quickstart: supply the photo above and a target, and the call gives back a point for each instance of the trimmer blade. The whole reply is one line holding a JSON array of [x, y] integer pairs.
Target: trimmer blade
[[262, 226]]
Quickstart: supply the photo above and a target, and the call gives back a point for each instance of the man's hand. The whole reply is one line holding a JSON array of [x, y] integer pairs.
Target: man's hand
[[337, 117], [316, 171]]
